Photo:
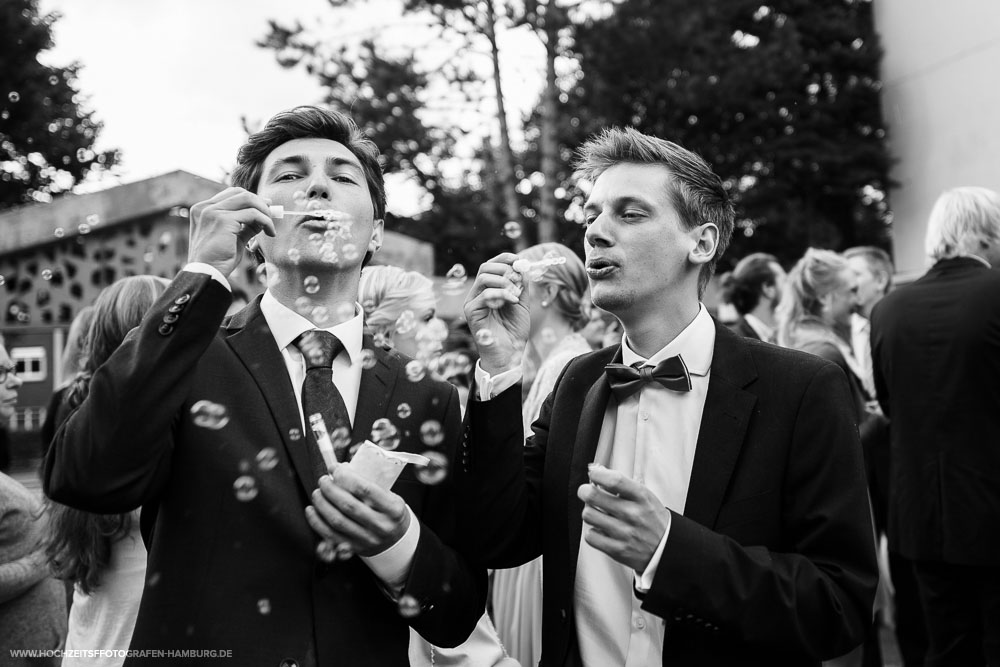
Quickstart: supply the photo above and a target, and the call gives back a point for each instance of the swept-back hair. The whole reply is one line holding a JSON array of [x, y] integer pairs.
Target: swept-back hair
[[817, 274], [80, 543], [310, 122], [387, 291], [695, 191], [964, 221], [571, 278]]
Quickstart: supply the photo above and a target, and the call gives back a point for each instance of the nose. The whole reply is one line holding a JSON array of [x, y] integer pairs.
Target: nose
[[597, 233], [319, 187]]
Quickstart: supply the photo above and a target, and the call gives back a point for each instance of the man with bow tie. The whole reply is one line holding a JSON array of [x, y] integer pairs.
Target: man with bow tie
[[699, 498]]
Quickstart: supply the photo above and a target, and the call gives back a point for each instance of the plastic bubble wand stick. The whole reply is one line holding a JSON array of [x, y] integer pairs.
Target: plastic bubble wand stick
[[318, 427]]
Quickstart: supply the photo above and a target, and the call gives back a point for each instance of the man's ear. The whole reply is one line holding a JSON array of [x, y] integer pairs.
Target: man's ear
[[706, 243]]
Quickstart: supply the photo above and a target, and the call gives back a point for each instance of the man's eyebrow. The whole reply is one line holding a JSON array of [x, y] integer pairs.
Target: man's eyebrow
[[619, 202], [335, 161], [290, 161]]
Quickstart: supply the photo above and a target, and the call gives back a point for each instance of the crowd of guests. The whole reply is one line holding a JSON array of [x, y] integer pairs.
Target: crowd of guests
[[188, 506]]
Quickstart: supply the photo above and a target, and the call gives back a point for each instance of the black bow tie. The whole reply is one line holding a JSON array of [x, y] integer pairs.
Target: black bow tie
[[625, 380]]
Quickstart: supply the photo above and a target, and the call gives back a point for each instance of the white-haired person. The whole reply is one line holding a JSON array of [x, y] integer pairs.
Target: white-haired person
[[936, 360], [556, 296], [399, 312]]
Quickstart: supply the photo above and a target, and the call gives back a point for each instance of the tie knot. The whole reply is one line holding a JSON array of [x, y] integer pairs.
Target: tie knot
[[318, 348]]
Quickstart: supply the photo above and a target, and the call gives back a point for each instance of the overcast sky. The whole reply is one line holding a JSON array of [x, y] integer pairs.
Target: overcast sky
[[170, 79]]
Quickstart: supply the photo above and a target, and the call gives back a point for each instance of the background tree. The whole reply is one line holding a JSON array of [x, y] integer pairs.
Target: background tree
[[782, 99], [46, 135]]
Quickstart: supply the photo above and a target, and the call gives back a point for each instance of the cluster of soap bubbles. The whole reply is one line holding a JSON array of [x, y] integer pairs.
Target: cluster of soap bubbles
[[385, 434]]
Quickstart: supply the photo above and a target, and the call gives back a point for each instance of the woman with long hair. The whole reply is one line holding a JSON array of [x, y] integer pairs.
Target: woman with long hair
[[103, 555], [556, 286]]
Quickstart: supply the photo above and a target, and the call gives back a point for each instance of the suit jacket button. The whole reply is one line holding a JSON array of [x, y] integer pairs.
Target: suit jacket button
[[174, 308], [562, 613], [181, 300], [166, 329], [170, 318], [288, 662]]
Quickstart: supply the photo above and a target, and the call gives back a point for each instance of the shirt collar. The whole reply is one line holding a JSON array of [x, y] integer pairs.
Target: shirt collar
[[765, 332], [981, 260], [696, 344], [286, 325]]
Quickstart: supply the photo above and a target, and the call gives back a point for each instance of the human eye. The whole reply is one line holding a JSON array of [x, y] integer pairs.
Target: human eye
[[286, 176], [345, 178], [631, 214]]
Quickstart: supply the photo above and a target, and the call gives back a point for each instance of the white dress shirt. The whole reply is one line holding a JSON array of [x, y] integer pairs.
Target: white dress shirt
[[861, 329], [651, 437], [392, 565]]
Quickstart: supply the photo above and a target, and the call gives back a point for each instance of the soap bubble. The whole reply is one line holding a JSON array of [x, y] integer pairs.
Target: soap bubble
[[303, 305], [457, 272], [435, 471], [46, 274], [385, 434], [153, 579], [294, 255], [311, 283], [93, 220], [326, 551], [408, 606], [340, 438], [343, 552], [84, 228], [267, 274], [2, 280], [267, 459], [316, 238], [14, 96], [299, 197], [60, 232], [431, 433], [415, 371], [368, 359], [245, 487], [350, 252], [521, 265], [381, 339], [244, 466], [320, 314], [404, 410], [294, 434], [264, 606], [548, 336], [314, 205], [485, 337], [512, 230], [406, 322], [207, 414], [345, 311]]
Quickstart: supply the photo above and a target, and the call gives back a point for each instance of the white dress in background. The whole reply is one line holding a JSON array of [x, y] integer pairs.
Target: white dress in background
[[517, 592], [105, 619]]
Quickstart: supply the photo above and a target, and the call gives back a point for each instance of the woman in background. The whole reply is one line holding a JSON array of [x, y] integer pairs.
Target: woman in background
[[72, 363], [399, 311], [814, 316], [32, 603], [556, 298], [103, 555]]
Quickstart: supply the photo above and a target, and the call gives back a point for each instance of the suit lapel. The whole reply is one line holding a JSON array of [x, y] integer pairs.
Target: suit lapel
[[377, 384], [584, 447], [724, 422], [251, 339]]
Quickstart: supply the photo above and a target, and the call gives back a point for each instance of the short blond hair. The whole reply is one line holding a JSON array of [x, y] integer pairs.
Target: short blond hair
[[964, 221]]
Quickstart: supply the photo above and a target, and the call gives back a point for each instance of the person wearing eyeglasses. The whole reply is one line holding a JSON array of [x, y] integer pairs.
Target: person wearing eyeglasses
[[32, 602]]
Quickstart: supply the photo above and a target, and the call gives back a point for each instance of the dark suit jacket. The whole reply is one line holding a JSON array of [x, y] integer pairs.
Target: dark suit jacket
[[228, 574], [773, 561], [743, 328], [936, 356]]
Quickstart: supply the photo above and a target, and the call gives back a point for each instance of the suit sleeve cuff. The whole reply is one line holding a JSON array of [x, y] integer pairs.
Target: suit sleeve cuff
[[209, 270], [644, 582], [392, 566], [489, 386]]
